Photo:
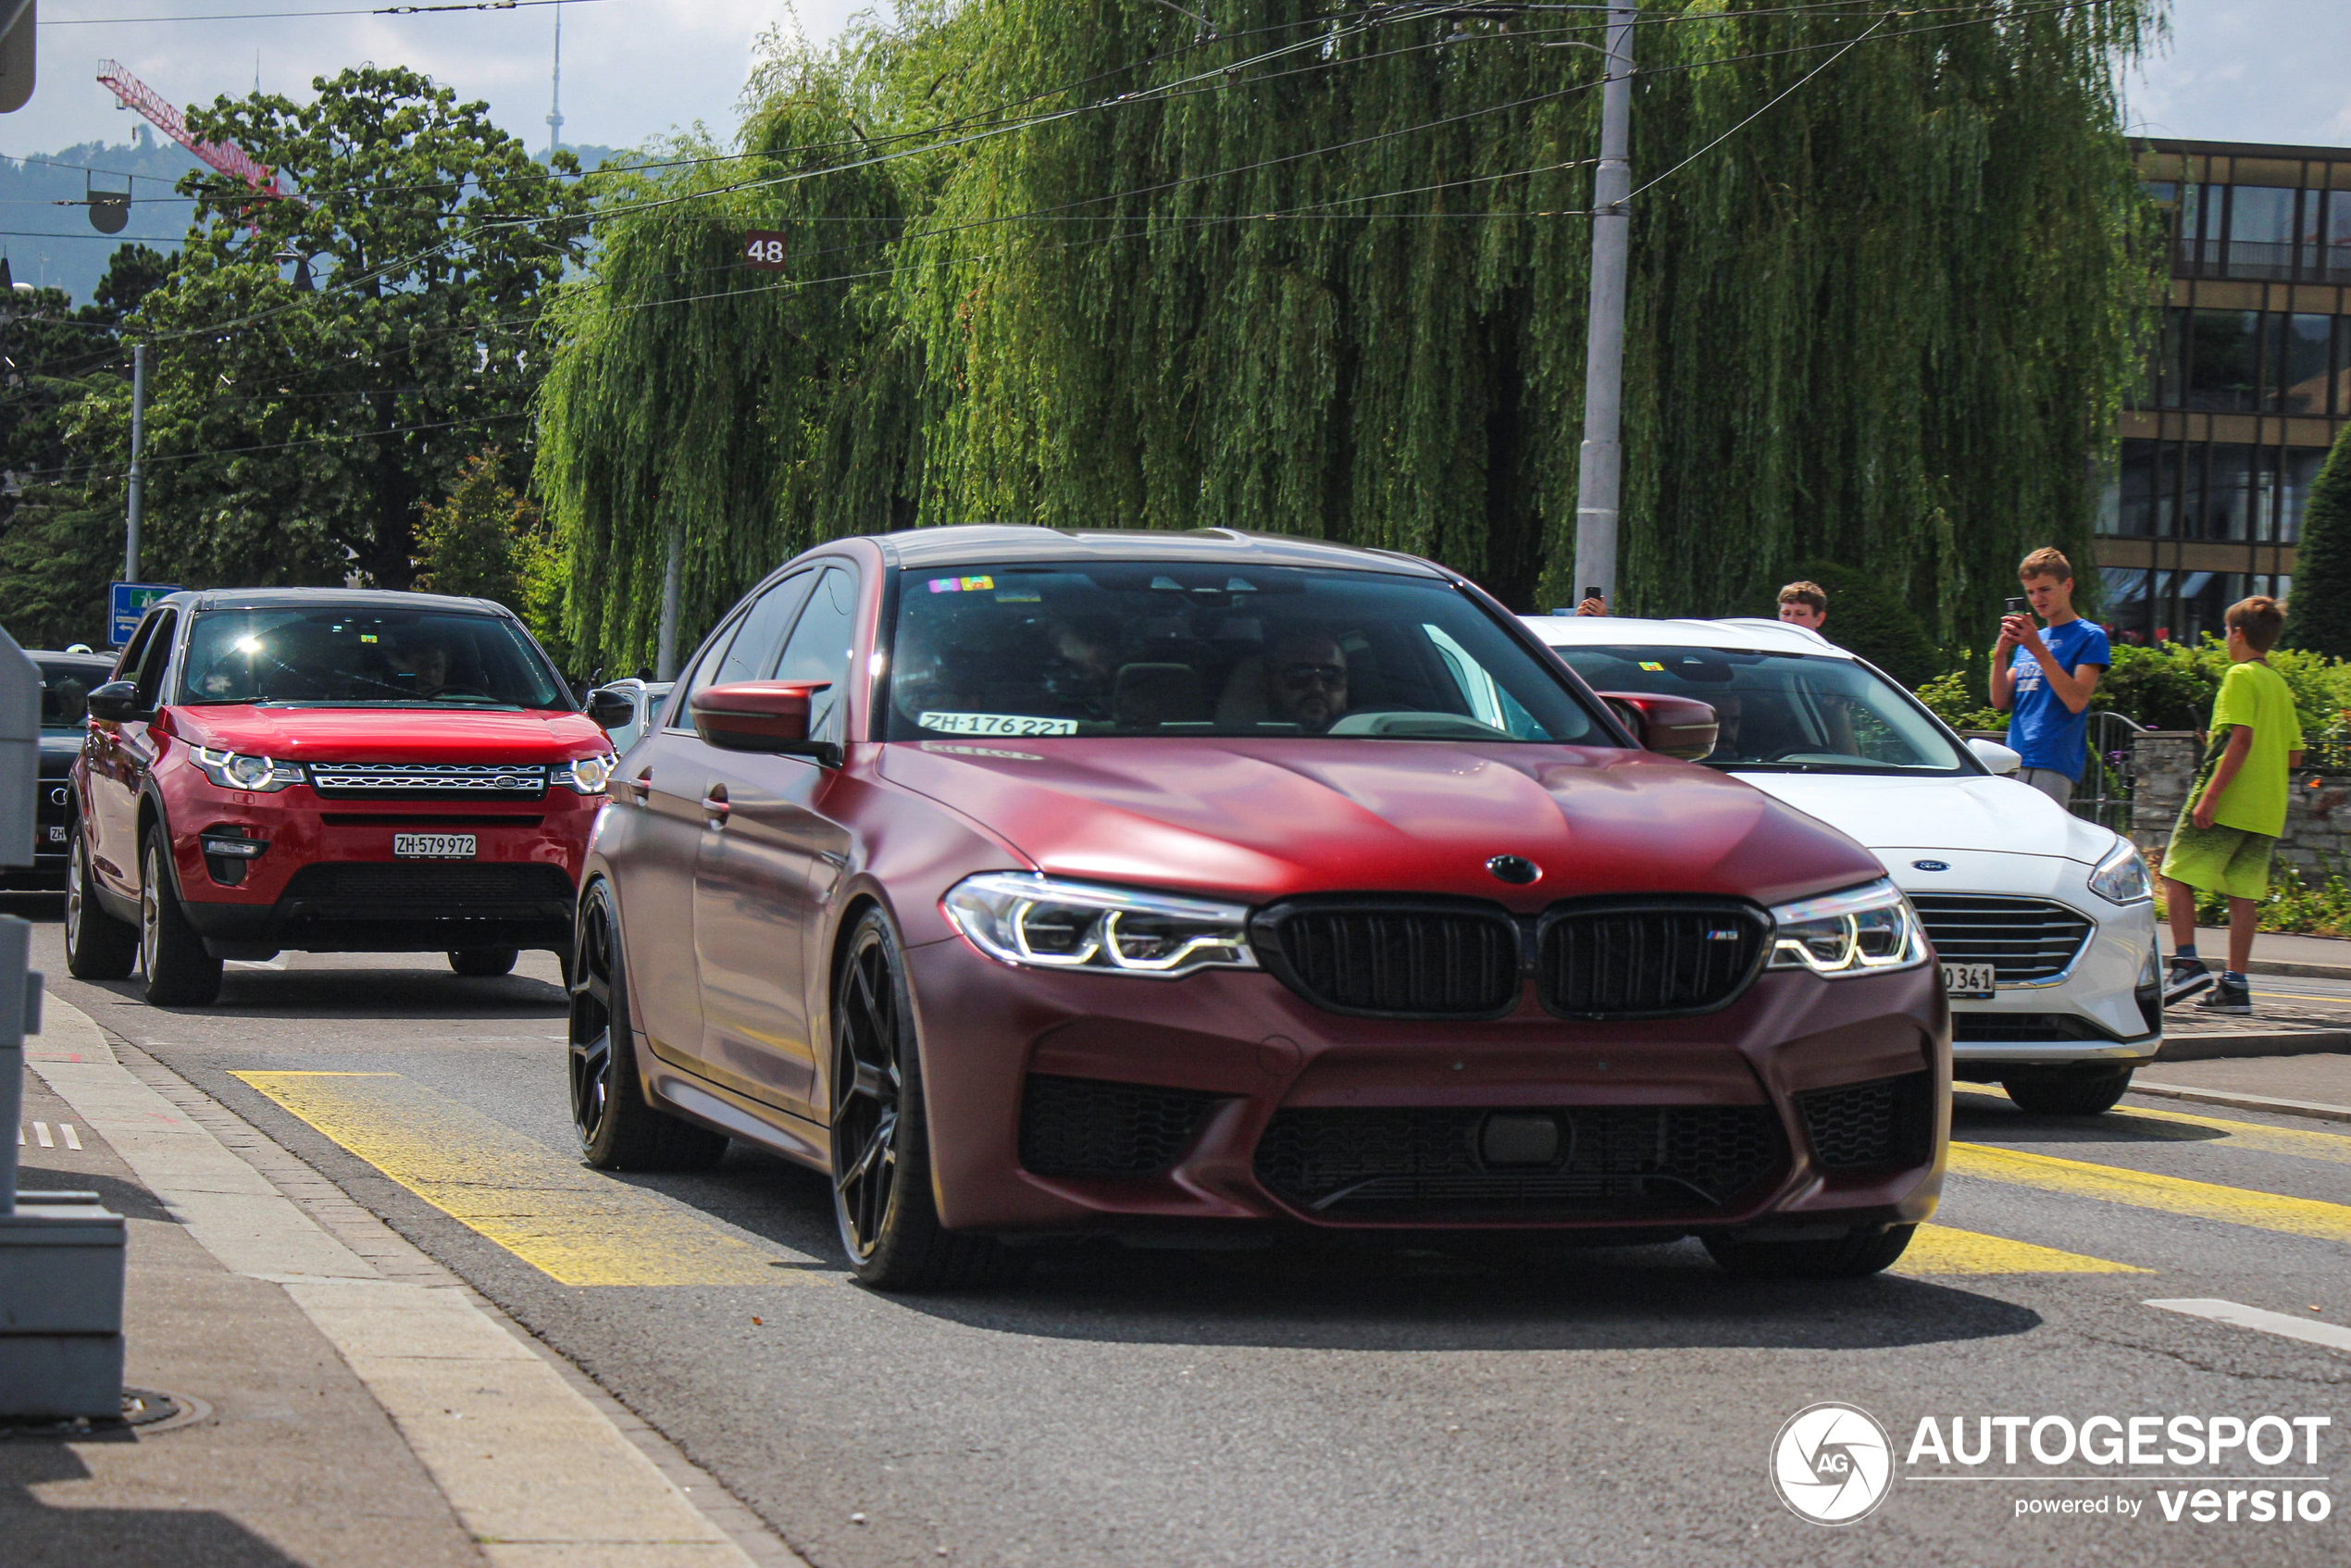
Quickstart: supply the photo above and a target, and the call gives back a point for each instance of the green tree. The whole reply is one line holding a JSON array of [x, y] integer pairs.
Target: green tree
[[1867, 617], [473, 543], [2319, 617], [324, 365]]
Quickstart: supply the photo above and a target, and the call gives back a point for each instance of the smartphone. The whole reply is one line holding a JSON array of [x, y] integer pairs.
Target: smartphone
[[2018, 606], [1591, 593]]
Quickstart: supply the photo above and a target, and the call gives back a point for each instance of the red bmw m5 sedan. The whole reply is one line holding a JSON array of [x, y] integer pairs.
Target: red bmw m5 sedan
[[1034, 883]]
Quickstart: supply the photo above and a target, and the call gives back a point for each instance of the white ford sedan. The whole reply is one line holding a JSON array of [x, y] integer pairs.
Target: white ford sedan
[[2044, 922]]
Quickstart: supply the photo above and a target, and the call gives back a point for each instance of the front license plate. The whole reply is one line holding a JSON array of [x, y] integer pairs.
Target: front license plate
[[433, 846], [1968, 980]]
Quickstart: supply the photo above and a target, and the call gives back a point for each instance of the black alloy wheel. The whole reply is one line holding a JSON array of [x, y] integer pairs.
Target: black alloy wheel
[[617, 1130], [98, 947], [882, 1197], [180, 972]]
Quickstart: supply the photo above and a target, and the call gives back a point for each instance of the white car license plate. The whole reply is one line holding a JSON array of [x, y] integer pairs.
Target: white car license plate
[[433, 846], [1968, 980]]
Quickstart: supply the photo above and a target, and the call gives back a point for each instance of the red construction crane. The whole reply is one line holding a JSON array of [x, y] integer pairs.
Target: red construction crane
[[225, 156]]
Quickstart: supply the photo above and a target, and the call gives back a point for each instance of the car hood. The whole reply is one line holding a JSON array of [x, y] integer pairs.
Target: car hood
[[1271, 819], [58, 748], [390, 734], [1972, 813]]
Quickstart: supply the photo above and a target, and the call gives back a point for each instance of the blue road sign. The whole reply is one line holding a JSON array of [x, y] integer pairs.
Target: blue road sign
[[126, 605]]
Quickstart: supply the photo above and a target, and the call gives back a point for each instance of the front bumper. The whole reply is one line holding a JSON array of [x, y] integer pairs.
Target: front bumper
[[1245, 1050], [53, 820]]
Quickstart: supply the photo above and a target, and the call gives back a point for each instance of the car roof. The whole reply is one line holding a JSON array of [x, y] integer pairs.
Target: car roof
[[1746, 634], [980, 544], [342, 598], [103, 660]]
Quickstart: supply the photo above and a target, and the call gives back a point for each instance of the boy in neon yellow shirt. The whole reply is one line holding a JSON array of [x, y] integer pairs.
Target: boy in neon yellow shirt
[[2231, 821]]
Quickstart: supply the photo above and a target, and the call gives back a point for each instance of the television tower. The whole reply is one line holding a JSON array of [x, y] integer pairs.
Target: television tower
[[555, 105]]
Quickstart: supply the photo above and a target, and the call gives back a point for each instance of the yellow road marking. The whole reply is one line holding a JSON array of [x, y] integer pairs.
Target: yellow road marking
[[578, 1225], [2302, 1145], [2197, 1199], [1938, 1250]]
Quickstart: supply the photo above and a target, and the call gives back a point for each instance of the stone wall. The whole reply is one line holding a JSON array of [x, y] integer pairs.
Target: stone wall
[[2318, 813]]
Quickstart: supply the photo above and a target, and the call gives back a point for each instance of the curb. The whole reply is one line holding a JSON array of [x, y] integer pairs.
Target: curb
[[2289, 970], [2237, 1100], [2254, 1042]]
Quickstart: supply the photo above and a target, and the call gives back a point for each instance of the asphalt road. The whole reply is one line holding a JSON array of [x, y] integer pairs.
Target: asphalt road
[[1338, 1407]]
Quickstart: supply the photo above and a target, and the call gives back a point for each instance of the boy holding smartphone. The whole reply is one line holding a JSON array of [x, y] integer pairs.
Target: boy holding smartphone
[[2047, 675]]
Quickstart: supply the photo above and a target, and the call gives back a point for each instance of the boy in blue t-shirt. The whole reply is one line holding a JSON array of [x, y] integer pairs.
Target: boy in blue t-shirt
[[2047, 675]]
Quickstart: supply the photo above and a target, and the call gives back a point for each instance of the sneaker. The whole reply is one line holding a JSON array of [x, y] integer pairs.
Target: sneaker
[[2183, 978], [2227, 997]]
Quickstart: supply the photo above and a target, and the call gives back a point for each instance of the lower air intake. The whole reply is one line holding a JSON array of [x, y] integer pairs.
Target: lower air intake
[[1886, 1122], [1081, 1128]]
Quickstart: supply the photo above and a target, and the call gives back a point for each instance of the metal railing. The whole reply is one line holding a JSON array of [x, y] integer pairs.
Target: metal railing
[[2110, 775]]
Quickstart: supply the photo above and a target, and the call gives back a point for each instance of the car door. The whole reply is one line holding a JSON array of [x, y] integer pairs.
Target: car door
[[121, 753], [768, 862], [666, 780]]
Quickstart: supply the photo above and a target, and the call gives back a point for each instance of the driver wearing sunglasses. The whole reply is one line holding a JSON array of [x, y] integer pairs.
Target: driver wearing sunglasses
[[1306, 680]]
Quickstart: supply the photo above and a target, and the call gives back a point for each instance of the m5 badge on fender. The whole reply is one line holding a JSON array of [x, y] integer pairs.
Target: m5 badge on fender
[[1832, 1463]]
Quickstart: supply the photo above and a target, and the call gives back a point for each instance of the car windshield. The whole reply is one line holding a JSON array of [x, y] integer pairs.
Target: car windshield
[[359, 656], [65, 692], [1785, 711], [1148, 648]]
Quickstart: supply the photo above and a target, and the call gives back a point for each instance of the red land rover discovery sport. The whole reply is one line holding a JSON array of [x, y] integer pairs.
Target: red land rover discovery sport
[[331, 771]]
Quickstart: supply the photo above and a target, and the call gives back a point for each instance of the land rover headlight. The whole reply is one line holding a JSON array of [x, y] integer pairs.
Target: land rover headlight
[[2122, 876], [1044, 923], [235, 770], [586, 776], [1863, 931]]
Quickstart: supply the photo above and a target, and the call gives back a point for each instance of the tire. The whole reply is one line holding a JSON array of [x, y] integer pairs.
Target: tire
[[179, 972], [1865, 1250], [616, 1129], [882, 1199], [484, 963], [2063, 1091], [98, 947]]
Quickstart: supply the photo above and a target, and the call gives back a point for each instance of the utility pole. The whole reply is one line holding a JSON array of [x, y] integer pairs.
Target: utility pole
[[666, 639], [1600, 463], [138, 443]]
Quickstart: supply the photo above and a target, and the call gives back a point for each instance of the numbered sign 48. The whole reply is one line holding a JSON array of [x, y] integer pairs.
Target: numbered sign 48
[[764, 248]]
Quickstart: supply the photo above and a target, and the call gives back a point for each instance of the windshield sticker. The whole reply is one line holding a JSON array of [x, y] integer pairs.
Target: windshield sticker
[[980, 752], [962, 584], [1016, 596], [1649, 665], [997, 724]]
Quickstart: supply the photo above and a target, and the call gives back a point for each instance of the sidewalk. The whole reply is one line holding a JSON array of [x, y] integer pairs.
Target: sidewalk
[[343, 1401], [2311, 1086], [2318, 958]]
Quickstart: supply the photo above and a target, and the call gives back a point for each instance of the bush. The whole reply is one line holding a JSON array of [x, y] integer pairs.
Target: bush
[[1950, 697], [2171, 686], [2320, 616], [1868, 617], [2292, 906]]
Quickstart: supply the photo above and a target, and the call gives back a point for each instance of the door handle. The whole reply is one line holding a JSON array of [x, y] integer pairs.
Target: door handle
[[714, 806], [639, 788]]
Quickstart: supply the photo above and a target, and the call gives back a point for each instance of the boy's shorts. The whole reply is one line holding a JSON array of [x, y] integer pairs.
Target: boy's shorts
[[2219, 860]]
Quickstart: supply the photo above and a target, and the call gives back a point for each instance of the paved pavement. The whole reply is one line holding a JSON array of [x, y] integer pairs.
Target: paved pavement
[[1340, 1406]]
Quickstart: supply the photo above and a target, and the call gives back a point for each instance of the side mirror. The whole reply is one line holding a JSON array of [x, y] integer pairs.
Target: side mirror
[[610, 709], [762, 715], [115, 703], [1671, 727], [1991, 753]]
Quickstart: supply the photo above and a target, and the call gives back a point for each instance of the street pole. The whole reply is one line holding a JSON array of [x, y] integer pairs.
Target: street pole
[[1601, 462], [665, 641], [138, 442]]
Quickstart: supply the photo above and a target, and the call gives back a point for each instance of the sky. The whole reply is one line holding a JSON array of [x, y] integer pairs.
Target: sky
[[2251, 70]]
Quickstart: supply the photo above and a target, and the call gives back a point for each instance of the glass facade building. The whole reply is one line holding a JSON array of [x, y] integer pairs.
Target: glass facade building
[[2245, 385]]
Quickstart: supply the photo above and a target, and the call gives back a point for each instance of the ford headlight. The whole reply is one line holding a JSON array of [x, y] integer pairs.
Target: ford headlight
[[1043, 923], [2122, 876], [587, 776], [1860, 931], [234, 770]]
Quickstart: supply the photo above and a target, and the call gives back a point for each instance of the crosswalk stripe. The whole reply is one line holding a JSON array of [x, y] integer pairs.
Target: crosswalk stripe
[[1940, 1249], [2242, 1316], [2196, 1200], [2333, 1147], [576, 1226]]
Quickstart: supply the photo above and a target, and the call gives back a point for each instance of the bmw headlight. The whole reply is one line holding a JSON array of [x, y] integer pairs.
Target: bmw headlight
[[234, 770], [1860, 931], [587, 776], [2122, 876], [1048, 924]]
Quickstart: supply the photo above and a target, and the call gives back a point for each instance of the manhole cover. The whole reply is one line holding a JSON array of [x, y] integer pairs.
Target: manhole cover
[[149, 1410]]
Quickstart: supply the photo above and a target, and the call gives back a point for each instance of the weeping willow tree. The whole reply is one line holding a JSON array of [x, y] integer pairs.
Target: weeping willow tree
[[1321, 270]]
